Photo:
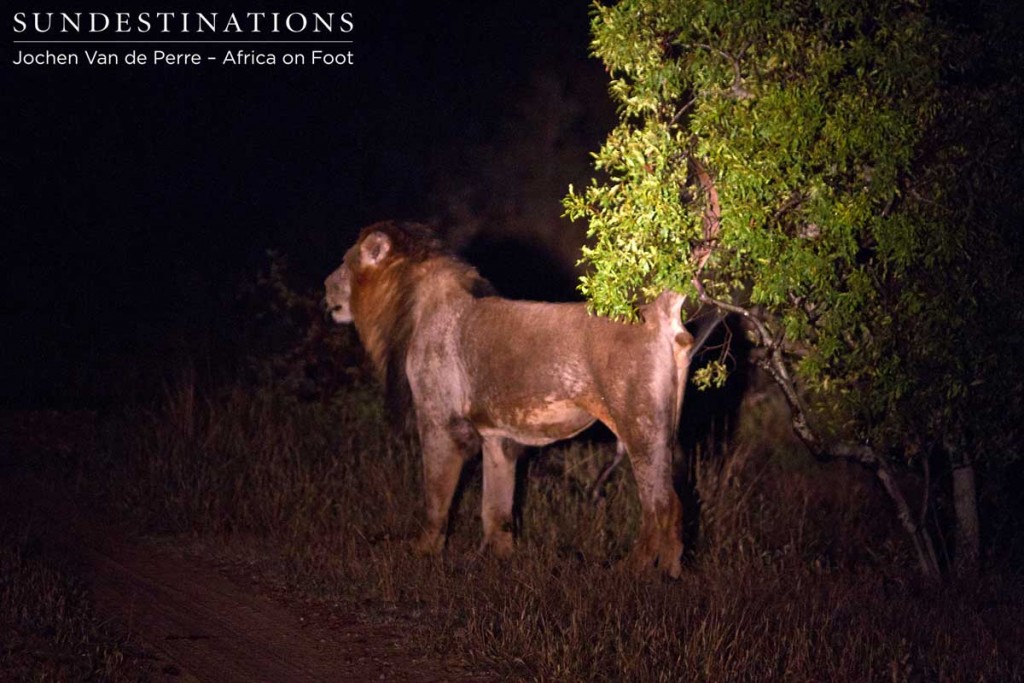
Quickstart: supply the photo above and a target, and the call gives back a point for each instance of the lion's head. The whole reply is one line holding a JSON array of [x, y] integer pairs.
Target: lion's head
[[372, 262]]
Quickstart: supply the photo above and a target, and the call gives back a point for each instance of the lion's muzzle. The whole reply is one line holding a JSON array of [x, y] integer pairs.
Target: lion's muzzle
[[337, 300]]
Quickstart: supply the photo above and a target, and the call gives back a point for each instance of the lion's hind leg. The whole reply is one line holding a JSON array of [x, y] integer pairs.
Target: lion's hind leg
[[661, 530], [499, 492]]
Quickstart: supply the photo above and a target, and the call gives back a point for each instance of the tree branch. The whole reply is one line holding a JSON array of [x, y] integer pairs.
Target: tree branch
[[737, 89], [682, 110], [712, 220]]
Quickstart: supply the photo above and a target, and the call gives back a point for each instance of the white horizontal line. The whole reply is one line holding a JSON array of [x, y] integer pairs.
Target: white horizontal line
[[174, 42]]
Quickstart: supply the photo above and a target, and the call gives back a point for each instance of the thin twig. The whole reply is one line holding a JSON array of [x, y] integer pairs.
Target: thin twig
[[737, 88], [682, 110]]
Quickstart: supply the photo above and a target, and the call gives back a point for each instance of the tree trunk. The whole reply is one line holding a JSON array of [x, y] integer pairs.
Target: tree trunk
[[965, 505]]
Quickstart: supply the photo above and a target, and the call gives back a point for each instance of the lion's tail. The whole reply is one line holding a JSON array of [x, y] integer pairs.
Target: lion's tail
[[668, 310]]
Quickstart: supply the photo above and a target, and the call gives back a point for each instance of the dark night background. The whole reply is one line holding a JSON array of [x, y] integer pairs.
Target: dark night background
[[135, 199]]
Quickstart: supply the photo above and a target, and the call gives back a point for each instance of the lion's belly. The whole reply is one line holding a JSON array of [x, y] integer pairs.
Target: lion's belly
[[535, 424]]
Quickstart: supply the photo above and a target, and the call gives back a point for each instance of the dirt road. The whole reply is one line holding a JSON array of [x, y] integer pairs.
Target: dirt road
[[207, 628], [201, 623]]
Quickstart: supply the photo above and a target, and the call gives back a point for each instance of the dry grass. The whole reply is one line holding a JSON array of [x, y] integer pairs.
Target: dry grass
[[797, 574], [48, 629]]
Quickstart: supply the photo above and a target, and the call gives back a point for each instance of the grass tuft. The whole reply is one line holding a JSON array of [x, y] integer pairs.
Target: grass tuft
[[48, 629]]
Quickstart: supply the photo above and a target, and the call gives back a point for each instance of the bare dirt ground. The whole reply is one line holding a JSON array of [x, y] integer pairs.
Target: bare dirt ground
[[202, 623], [203, 626]]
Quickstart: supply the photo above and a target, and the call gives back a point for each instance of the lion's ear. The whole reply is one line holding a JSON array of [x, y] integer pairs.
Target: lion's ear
[[374, 249]]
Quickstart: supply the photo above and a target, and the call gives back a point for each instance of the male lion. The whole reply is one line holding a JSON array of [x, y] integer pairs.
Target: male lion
[[482, 369]]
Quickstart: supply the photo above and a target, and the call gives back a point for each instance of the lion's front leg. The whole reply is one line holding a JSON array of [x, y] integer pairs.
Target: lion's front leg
[[661, 529], [499, 491], [442, 464]]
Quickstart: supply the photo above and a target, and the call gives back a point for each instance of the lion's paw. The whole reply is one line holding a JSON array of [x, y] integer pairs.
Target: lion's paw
[[428, 544]]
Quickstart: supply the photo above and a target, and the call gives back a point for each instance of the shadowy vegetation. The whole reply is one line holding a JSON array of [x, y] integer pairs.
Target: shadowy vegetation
[[48, 629]]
